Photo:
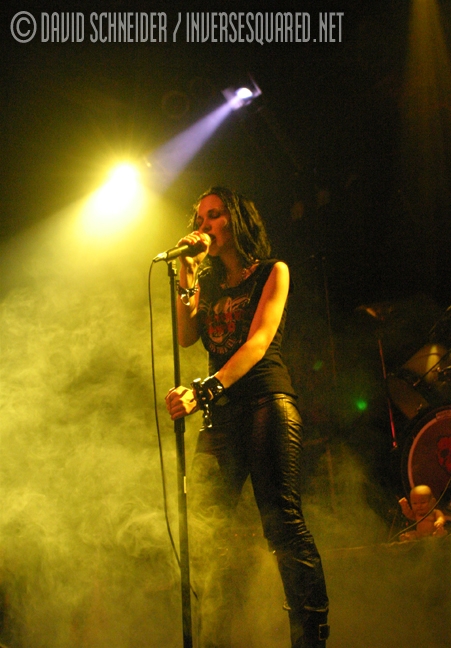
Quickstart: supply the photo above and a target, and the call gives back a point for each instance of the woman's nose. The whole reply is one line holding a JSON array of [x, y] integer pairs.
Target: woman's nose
[[205, 227]]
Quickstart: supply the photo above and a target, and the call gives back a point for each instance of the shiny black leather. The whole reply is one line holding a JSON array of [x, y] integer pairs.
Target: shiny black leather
[[263, 439]]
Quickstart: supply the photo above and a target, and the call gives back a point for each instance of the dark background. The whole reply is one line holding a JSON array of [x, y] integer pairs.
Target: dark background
[[328, 123]]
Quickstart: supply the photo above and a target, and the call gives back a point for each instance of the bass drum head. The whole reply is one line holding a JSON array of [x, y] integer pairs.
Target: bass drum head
[[426, 456]]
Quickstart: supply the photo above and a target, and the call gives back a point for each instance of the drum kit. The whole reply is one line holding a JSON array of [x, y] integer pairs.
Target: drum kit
[[420, 393]]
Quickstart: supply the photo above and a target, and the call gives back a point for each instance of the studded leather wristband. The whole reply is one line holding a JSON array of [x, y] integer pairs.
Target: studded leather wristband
[[185, 294], [209, 391]]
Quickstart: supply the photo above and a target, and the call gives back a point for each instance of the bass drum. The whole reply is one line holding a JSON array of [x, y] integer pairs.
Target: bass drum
[[426, 455]]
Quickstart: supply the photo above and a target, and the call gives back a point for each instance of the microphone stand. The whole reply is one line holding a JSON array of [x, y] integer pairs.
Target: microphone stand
[[179, 429]]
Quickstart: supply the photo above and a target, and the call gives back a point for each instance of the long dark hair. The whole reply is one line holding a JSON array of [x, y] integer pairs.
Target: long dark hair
[[248, 229]]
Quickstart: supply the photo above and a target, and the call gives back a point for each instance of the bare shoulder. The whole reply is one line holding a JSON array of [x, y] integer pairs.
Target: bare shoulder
[[278, 282], [280, 273], [280, 267]]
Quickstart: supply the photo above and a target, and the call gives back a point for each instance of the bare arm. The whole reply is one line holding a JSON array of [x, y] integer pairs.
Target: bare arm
[[263, 328], [405, 507], [439, 518], [187, 307], [188, 332]]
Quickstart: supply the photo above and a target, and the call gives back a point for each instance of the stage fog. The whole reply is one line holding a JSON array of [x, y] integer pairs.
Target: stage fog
[[86, 560]]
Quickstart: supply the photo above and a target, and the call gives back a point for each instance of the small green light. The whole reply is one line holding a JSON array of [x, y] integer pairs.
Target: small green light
[[361, 404], [318, 365]]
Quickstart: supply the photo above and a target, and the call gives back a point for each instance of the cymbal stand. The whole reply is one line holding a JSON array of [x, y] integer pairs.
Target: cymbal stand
[[394, 439]]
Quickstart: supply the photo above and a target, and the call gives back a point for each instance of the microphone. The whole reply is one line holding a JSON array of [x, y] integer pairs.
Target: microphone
[[182, 250]]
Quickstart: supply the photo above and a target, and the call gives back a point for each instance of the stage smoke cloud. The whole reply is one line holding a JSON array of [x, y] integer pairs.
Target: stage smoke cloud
[[85, 557]]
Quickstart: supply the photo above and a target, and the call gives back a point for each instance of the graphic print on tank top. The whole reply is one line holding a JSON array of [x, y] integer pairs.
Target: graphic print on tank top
[[226, 326]]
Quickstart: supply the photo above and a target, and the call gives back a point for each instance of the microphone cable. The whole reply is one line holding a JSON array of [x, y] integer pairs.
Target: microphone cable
[[157, 419]]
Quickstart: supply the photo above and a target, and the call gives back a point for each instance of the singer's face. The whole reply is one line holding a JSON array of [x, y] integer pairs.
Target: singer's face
[[214, 219]]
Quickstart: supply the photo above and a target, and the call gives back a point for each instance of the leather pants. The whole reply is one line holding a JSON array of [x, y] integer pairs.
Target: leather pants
[[261, 438]]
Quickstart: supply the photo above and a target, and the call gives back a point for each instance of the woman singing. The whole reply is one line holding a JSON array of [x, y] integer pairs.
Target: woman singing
[[236, 302]]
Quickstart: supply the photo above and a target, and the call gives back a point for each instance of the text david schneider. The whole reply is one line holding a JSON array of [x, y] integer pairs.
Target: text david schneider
[[198, 27]]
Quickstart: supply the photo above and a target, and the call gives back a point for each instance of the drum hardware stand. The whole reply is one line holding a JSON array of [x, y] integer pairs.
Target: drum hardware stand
[[441, 331], [378, 312], [394, 440], [322, 260]]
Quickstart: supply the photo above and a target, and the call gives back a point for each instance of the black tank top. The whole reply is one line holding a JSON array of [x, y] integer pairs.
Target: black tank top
[[225, 317]]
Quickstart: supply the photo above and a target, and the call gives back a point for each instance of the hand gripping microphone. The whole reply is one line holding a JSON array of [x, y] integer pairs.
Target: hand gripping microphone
[[181, 250]]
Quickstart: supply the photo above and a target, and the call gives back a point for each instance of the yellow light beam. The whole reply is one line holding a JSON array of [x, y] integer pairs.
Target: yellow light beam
[[115, 204]]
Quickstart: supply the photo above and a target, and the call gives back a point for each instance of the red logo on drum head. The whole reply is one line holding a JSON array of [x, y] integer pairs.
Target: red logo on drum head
[[444, 453]]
